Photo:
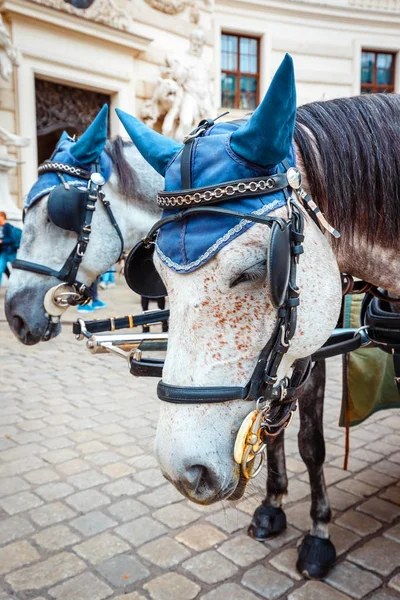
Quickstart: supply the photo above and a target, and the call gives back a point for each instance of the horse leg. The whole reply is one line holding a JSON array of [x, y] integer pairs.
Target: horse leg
[[317, 554], [269, 518]]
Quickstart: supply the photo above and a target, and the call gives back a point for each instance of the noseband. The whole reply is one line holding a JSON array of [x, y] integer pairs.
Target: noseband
[[71, 209]]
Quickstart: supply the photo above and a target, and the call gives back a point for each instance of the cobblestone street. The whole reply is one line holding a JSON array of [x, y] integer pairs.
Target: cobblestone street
[[86, 515]]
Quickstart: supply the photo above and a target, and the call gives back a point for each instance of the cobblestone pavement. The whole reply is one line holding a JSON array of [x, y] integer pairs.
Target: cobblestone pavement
[[86, 515]]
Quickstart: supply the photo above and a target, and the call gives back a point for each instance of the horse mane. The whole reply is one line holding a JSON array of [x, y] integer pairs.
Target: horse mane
[[350, 149], [129, 183]]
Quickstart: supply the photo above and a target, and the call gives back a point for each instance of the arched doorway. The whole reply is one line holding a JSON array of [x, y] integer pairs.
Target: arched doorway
[[61, 108]]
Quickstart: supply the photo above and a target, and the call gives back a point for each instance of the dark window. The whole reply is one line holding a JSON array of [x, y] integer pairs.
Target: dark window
[[239, 71], [377, 71]]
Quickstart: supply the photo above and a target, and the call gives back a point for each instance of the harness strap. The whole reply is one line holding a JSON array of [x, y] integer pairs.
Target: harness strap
[[107, 206], [186, 163], [115, 323], [184, 214]]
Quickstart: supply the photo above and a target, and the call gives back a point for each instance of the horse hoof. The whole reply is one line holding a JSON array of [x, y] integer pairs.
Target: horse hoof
[[316, 557], [267, 521]]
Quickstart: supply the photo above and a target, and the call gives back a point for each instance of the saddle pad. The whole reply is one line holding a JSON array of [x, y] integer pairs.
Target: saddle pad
[[368, 375], [186, 246], [48, 181]]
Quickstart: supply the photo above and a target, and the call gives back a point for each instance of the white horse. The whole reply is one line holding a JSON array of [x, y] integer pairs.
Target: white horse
[[221, 311], [131, 188], [216, 270]]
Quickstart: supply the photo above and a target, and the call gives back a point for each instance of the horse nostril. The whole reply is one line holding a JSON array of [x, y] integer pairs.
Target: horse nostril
[[18, 324], [201, 480]]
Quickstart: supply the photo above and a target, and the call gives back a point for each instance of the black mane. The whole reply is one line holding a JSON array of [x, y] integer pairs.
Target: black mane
[[351, 153], [129, 185]]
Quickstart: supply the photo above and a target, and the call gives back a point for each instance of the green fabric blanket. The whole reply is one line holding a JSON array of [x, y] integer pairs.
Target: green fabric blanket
[[368, 375]]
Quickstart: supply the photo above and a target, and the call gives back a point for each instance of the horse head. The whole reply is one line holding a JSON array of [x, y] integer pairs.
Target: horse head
[[69, 237], [222, 274]]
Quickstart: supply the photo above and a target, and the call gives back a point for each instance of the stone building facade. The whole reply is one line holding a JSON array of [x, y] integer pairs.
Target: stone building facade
[[171, 61]]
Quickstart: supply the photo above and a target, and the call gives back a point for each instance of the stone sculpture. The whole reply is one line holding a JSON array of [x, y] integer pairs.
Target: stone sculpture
[[8, 53], [183, 93], [173, 7], [105, 12], [8, 59]]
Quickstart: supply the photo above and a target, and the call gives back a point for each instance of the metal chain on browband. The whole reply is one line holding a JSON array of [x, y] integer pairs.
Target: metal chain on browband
[[50, 166]]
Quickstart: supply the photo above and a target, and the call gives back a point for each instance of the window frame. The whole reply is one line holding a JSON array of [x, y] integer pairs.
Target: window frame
[[376, 87], [238, 73]]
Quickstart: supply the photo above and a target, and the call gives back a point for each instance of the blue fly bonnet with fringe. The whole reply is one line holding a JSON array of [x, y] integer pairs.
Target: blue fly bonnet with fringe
[[82, 154], [62, 154], [187, 245], [224, 152]]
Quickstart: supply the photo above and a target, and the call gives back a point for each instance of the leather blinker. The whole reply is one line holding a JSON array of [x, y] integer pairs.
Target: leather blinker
[[140, 273], [278, 263], [67, 207]]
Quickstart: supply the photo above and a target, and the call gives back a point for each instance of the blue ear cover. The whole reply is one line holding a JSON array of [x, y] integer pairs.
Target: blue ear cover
[[266, 137], [157, 149], [64, 136], [91, 143]]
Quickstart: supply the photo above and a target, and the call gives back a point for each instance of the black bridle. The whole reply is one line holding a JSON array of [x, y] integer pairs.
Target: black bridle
[[69, 271], [262, 383], [263, 386]]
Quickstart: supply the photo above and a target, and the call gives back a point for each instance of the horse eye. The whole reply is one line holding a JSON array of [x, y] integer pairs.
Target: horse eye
[[254, 273]]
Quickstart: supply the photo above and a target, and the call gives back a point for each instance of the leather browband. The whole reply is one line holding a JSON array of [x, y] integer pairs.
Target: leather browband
[[241, 188], [50, 166]]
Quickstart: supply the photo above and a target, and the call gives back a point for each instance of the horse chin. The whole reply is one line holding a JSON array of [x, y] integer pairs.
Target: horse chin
[[205, 496]]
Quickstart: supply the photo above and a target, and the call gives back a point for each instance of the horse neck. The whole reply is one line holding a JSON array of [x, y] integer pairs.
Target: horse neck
[[134, 204], [380, 267]]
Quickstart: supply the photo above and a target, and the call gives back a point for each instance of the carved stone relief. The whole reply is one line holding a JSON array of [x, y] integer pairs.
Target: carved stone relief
[[61, 106], [105, 12], [80, 3], [173, 7], [8, 53], [183, 94], [8, 60]]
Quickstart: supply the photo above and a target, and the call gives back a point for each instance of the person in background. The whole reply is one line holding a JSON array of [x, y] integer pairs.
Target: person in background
[[10, 238], [96, 303], [107, 280]]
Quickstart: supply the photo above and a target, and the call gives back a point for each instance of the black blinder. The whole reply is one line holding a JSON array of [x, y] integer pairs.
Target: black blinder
[[278, 263], [141, 274], [67, 207]]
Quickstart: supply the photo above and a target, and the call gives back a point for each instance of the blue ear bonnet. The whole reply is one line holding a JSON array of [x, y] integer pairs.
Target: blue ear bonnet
[[48, 181], [187, 245]]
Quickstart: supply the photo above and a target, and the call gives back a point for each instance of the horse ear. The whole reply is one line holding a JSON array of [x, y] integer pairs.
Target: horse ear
[[157, 149], [91, 143], [266, 137], [63, 136]]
